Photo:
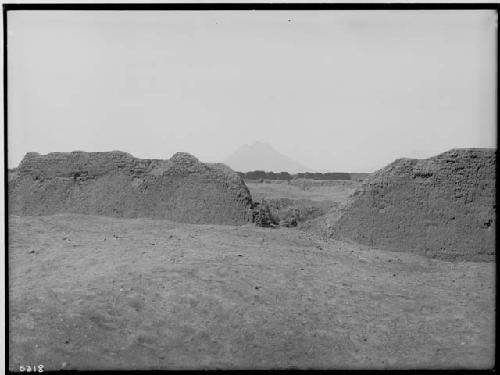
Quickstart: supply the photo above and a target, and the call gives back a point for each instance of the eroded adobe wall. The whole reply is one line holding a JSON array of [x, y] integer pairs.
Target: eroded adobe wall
[[442, 207], [118, 184]]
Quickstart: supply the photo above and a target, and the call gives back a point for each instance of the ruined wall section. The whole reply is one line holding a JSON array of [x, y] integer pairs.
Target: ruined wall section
[[118, 184], [441, 207]]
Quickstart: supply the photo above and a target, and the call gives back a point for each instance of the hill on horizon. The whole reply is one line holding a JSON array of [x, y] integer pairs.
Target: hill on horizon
[[262, 156]]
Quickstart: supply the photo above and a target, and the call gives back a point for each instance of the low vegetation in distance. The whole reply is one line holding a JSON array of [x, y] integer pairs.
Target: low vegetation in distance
[[263, 175]]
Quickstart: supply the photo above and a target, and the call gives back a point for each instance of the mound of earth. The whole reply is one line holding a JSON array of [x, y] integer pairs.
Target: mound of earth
[[291, 212], [118, 184], [441, 207]]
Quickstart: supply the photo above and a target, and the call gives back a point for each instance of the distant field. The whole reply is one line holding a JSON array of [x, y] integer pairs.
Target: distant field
[[285, 176], [335, 191], [302, 199]]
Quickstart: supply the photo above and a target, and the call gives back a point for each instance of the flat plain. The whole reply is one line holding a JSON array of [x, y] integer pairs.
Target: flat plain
[[334, 191], [94, 292]]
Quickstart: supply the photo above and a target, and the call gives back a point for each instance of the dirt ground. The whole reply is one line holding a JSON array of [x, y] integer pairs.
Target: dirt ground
[[90, 292], [305, 200]]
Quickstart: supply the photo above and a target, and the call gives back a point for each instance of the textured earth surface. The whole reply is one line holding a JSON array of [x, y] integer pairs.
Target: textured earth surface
[[440, 207], [301, 199], [117, 184], [92, 292]]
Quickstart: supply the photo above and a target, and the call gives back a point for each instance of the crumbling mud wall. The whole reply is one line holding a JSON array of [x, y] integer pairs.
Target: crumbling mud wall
[[442, 207], [120, 185]]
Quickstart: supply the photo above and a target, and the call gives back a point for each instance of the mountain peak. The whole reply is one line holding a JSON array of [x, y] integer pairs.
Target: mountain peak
[[262, 156]]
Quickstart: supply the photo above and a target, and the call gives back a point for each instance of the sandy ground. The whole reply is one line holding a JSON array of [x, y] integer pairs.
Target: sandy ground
[[90, 292]]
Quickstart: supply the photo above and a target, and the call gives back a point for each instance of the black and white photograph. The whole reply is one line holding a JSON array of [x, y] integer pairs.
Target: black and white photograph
[[254, 187]]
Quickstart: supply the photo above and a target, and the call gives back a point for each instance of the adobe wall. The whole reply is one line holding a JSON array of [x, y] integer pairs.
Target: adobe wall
[[118, 184], [442, 207]]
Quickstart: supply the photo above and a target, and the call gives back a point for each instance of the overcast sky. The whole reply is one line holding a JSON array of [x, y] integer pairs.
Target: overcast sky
[[334, 90]]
